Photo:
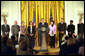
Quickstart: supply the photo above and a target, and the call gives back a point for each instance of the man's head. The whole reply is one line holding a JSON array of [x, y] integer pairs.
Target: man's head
[[5, 21], [80, 21], [15, 22], [42, 20], [62, 19], [71, 21], [67, 37], [30, 23], [52, 22]]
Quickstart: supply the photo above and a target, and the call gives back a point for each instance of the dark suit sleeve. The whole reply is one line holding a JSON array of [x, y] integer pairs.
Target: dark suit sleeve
[[28, 30], [19, 28], [74, 28], [77, 29], [33, 29], [12, 30], [8, 28], [68, 28], [58, 27], [39, 26], [46, 25], [65, 27], [2, 28], [83, 28]]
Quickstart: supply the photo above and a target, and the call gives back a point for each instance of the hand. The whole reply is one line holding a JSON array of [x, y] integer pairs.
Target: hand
[[6, 33], [24, 34], [31, 34], [62, 32], [69, 32]]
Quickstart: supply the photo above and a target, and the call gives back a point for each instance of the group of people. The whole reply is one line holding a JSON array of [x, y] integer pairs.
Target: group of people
[[31, 31]]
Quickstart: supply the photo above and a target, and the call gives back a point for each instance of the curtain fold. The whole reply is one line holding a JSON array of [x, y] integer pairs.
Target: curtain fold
[[42, 10]]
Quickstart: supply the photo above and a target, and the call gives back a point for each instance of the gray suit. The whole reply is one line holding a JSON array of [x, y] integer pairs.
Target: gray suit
[[15, 30]]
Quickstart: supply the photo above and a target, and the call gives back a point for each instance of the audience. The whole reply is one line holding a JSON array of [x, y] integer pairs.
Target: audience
[[6, 46], [22, 48], [71, 46]]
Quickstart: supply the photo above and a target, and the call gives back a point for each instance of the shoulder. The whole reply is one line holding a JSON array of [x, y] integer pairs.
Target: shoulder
[[59, 23], [12, 25], [18, 25], [40, 23], [3, 25], [33, 26], [7, 25], [54, 25], [46, 23], [69, 25], [64, 22], [73, 25], [82, 23], [28, 26]]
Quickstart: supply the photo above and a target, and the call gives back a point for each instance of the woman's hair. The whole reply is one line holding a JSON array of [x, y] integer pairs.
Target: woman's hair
[[30, 22], [13, 37], [9, 42], [4, 39], [23, 45], [71, 21]]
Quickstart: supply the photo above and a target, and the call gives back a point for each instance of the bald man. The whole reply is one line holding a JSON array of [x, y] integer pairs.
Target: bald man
[[15, 29]]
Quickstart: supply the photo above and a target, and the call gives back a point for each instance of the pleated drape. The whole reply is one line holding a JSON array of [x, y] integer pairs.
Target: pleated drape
[[42, 10]]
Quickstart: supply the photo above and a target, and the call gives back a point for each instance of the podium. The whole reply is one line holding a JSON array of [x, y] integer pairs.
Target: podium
[[43, 44]]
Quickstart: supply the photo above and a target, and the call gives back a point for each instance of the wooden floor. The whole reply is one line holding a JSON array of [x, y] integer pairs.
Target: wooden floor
[[51, 51]]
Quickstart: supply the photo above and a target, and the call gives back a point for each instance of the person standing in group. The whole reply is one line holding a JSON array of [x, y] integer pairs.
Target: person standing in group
[[23, 29], [15, 30], [52, 33], [43, 29], [5, 28], [31, 33], [80, 30], [62, 30], [71, 28]]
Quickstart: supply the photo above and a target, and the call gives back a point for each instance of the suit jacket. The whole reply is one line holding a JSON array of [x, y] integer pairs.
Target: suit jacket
[[15, 29], [80, 28], [62, 27], [40, 25], [33, 30], [5, 29], [71, 28]]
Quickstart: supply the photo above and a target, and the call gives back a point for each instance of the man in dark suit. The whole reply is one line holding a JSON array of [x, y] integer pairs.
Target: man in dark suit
[[62, 30], [15, 30], [5, 29], [40, 31], [31, 32], [71, 28], [80, 27]]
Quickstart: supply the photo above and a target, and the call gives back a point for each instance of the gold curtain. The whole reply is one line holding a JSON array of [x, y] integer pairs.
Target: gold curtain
[[42, 10]]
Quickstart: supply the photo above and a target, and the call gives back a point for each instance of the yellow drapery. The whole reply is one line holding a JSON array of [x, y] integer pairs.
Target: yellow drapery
[[42, 10]]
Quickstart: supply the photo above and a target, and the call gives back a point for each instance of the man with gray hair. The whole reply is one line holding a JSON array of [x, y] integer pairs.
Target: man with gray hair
[[15, 30]]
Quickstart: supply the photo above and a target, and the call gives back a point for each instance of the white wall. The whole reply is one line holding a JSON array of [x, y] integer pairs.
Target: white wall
[[72, 9], [13, 9]]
